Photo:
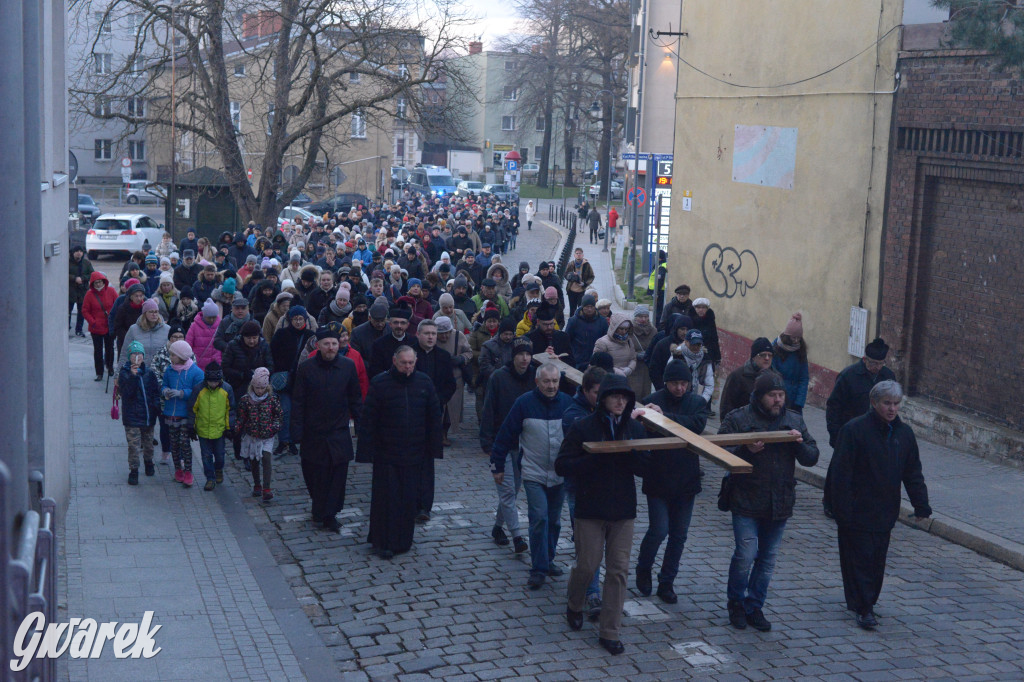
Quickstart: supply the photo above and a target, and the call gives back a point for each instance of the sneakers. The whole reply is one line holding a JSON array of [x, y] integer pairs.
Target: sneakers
[[535, 581], [257, 491], [867, 621], [267, 495], [593, 607], [179, 475], [612, 646], [210, 485], [644, 584], [150, 469], [756, 620], [737, 616], [219, 476], [187, 479], [574, 618], [133, 477], [519, 544], [499, 536], [166, 459], [281, 447], [667, 594]]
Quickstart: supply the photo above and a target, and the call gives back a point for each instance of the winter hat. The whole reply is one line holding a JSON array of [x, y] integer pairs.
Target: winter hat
[[181, 349], [343, 294], [876, 350], [308, 276], [136, 347], [379, 309], [492, 314], [507, 325], [550, 292], [175, 327], [150, 304], [444, 325], [488, 283], [522, 345], [167, 277], [795, 327], [677, 371], [210, 309], [151, 258], [130, 282], [260, 377], [461, 281], [702, 301], [229, 286], [683, 289], [415, 282], [545, 313], [251, 258], [327, 331], [164, 260], [296, 311], [239, 301], [767, 381], [294, 257], [760, 345], [283, 296], [535, 286], [641, 310], [188, 253], [186, 292], [213, 372], [446, 299], [359, 300], [587, 300], [250, 328], [604, 303], [603, 360]]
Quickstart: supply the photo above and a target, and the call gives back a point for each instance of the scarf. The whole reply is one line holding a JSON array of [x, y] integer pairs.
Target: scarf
[[692, 359], [183, 367], [339, 310], [258, 398], [786, 347], [621, 337]]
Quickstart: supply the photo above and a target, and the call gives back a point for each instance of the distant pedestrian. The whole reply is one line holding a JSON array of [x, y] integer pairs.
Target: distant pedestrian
[[594, 223], [790, 360], [579, 275], [211, 416], [97, 305], [79, 273], [531, 213], [259, 420], [139, 388]]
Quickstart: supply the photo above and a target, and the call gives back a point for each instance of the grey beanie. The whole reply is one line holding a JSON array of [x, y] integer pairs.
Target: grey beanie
[[641, 310]]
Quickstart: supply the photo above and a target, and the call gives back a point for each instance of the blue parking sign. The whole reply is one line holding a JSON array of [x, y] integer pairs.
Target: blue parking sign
[[512, 165], [595, 168]]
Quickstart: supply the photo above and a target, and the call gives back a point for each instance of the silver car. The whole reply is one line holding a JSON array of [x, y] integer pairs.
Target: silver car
[[467, 187]]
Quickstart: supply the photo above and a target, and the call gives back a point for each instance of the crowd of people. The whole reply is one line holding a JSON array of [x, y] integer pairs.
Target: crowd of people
[[281, 341]]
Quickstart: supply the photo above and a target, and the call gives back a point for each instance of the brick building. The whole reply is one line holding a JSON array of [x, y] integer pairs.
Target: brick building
[[951, 300]]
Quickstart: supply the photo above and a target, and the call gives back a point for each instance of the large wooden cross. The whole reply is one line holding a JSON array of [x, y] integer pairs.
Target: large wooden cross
[[709, 447]]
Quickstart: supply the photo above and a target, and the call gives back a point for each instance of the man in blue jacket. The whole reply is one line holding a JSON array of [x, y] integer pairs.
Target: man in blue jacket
[[584, 329]]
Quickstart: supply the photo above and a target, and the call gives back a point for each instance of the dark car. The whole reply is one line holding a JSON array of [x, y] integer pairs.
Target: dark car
[[300, 199], [87, 209], [339, 203]]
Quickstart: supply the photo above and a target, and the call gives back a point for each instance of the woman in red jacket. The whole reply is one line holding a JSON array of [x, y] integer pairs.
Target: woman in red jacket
[[95, 308]]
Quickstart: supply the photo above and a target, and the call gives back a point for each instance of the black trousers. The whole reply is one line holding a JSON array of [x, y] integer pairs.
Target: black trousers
[[393, 506], [575, 298], [425, 489], [862, 559], [593, 235], [79, 320], [326, 486], [103, 352]]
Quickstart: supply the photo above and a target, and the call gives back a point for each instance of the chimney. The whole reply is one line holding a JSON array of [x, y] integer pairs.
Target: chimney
[[476, 47]]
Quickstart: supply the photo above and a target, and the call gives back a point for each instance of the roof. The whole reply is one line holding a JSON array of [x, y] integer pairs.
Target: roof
[[204, 176]]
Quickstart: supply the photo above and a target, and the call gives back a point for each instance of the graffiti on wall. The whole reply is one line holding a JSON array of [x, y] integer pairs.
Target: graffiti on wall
[[728, 272]]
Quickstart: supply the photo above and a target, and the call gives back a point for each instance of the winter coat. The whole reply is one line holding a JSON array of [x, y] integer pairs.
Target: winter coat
[[271, 320], [459, 321], [871, 460], [325, 396], [769, 492], [795, 373], [240, 361], [200, 336], [152, 281], [584, 276], [604, 484], [493, 355], [83, 269], [849, 397], [152, 339], [211, 410], [504, 289], [140, 395], [185, 276], [202, 290], [577, 410], [662, 353], [623, 352], [674, 307], [410, 402], [584, 334], [738, 387], [124, 316], [709, 330], [503, 388], [286, 350], [96, 307], [559, 341], [228, 329], [188, 381], [259, 419], [383, 351], [534, 426], [357, 359], [437, 364], [676, 473], [363, 337], [168, 312]]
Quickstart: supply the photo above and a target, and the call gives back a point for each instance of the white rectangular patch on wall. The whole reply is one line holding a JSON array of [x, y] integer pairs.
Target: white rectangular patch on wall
[[858, 331], [764, 155]]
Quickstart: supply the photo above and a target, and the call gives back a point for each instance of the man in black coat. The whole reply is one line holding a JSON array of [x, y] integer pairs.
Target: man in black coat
[[244, 354], [554, 342], [762, 501], [605, 504], [681, 305], [672, 485], [740, 382], [383, 350], [658, 358], [186, 274], [436, 363], [375, 327], [325, 396], [849, 398], [400, 433], [875, 453]]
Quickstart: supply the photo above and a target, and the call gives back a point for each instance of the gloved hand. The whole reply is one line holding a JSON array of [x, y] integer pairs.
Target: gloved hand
[[192, 435]]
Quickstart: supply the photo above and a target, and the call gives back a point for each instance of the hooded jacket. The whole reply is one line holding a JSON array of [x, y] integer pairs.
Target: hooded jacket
[[623, 352], [187, 381], [709, 329], [140, 395], [676, 473], [584, 334], [200, 336], [503, 388], [504, 289], [96, 307], [662, 352], [534, 424]]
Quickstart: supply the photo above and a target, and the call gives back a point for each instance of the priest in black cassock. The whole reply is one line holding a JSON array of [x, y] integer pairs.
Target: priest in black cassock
[[400, 432]]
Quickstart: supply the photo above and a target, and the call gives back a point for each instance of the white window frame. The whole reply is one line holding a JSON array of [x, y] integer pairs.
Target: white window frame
[[134, 149], [101, 63], [138, 64], [510, 93], [538, 125], [103, 106], [136, 107], [239, 69], [508, 122], [102, 19], [358, 125], [102, 150], [236, 116]]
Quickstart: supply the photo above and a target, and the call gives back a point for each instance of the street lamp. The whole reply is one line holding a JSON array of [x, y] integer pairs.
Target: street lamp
[[595, 109]]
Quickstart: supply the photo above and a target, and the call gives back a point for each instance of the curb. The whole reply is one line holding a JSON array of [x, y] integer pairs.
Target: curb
[[964, 534]]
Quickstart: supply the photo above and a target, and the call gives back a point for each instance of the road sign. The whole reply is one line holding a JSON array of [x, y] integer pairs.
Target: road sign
[[511, 165], [126, 162], [126, 174], [595, 168], [72, 166], [248, 173], [665, 167], [638, 195]]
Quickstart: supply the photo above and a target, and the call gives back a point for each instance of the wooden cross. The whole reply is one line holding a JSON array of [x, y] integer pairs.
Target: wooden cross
[[708, 447]]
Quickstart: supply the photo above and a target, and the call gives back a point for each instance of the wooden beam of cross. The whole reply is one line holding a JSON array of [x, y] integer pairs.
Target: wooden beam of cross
[[708, 447]]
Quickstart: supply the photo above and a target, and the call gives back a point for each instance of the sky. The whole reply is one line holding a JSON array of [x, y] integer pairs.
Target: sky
[[496, 19]]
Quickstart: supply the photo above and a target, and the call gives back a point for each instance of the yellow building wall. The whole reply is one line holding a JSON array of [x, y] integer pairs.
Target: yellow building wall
[[816, 245]]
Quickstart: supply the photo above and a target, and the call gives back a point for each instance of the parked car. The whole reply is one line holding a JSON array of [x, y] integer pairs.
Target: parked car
[[500, 192], [399, 177], [530, 169], [467, 187], [144, 192], [122, 233], [595, 190], [290, 213], [339, 203], [300, 199], [432, 181], [87, 209]]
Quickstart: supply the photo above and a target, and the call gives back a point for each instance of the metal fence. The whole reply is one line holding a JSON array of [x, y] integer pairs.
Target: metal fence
[[28, 580]]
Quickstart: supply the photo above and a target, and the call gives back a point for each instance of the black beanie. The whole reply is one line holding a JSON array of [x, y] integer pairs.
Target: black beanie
[[213, 372], [507, 325], [602, 360], [677, 371], [767, 381], [760, 345]]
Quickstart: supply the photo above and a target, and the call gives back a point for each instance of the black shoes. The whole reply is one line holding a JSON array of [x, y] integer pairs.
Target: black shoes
[[422, 517], [499, 536], [520, 545], [387, 554], [555, 571], [593, 607], [867, 621], [756, 620], [330, 523], [99, 377], [150, 469], [644, 583], [535, 581], [574, 618], [612, 646], [737, 616], [133, 477], [667, 594]]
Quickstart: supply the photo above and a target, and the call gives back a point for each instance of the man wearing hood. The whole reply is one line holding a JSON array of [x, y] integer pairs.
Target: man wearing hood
[[762, 501], [662, 353], [605, 504], [740, 382], [672, 485]]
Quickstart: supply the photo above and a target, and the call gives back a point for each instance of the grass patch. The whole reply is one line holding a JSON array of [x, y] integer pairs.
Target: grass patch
[[640, 294], [553, 192]]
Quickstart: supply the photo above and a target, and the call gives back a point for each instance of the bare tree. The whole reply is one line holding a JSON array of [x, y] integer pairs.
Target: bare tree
[[318, 66]]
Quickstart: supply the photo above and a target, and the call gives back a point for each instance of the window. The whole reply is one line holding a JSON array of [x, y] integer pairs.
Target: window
[[403, 71], [359, 124], [137, 150], [400, 107], [138, 65], [400, 149], [240, 69], [510, 65], [236, 116], [355, 77], [270, 118], [134, 21], [103, 107], [538, 152], [101, 63], [103, 150], [102, 20], [576, 154], [508, 122], [510, 93], [136, 107], [289, 173], [539, 125]]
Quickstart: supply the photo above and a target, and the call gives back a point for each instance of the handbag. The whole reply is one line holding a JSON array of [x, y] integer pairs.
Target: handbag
[[115, 407], [724, 493]]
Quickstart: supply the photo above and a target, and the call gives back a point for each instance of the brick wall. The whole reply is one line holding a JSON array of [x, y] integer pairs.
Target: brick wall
[[952, 304]]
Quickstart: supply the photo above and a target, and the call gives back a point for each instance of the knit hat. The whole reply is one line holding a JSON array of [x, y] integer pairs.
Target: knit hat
[[677, 371], [239, 301], [210, 309], [876, 350], [151, 258], [461, 281], [181, 349], [588, 300], [260, 377], [603, 360], [522, 345], [251, 258], [446, 299], [359, 300], [213, 372], [795, 327], [444, 325], [229, 286], [296, 311], [186, 292], [167, 277], [175, 327], [760, 345], [641, 310], [535, 286], [767, 381], [163, 260], [702, 301], [415, 282], [550, 292], [507, 325], [492, 314], [150, 304], [283, 296], [294, 257], [250, 328], [379, 309], [136, 347]]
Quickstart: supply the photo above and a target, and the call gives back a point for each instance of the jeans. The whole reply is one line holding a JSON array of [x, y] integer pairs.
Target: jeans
[[284, 435], [212, 451], [545, 511], [508, 490], [594, 588], [575, 298], [669, 518], [757, 545]]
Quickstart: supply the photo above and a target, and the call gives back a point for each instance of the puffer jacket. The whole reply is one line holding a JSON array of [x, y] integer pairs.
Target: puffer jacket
[[187, 381], [140, 395], [534, 424], [795, 373], [260, 419], [200, 336], [210, 410], [240, 361], [584, 334], [623, 352], [769, 492], [96, 307], [504, 289], [152, 339]]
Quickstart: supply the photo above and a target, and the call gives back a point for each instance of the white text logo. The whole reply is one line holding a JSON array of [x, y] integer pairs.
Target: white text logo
[[82, 638]]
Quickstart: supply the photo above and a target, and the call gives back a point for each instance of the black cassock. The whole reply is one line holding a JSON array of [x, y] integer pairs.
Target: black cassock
[[400, 431]]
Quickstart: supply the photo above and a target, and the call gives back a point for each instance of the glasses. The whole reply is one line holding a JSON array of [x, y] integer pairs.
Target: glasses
[[765, 356]]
